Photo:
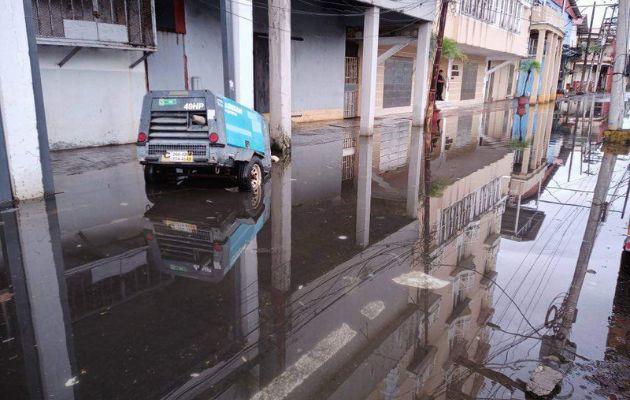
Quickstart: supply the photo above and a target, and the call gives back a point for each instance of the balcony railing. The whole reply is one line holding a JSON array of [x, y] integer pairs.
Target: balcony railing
[[505, 14]]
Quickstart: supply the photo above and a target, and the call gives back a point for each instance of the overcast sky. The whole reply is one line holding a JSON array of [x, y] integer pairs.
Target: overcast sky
[[585, 9]]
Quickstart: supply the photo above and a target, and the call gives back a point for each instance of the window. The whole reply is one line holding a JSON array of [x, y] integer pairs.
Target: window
[[461, 285], [469, 81], [123, 23], [397, 82], [457, 332]]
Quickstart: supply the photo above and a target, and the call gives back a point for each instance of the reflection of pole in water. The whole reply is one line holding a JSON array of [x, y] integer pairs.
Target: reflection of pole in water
[[415, 168], [597, 207], [281, 226], [577, 112], [364, 190], [33, 252], [280, 254], [248, 282]]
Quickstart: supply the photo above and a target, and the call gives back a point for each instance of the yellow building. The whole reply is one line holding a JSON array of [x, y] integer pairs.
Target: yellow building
[[545, 45], [492, 35]]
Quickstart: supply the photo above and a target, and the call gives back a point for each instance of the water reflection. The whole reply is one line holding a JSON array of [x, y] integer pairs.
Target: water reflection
[[321, 285]]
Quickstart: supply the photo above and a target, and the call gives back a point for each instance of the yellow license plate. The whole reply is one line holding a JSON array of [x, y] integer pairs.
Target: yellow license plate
[[177, 156], [181, 226]]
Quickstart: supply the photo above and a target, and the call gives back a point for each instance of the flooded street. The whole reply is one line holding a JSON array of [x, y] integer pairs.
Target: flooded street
[[321, 285]]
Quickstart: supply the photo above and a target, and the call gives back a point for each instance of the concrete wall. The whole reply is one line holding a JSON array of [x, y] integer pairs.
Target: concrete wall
[[95, 99], [203, 44], [166, 66], [197, 53], [317, 64]]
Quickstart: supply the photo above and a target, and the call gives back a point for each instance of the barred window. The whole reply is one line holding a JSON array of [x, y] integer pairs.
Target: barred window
[[101, 23]]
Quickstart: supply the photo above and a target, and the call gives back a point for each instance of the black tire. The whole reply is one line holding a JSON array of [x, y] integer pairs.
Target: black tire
[[155, 174], [250, 175]]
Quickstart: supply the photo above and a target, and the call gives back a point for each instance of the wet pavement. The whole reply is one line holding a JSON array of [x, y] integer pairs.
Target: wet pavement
[[320, 285]]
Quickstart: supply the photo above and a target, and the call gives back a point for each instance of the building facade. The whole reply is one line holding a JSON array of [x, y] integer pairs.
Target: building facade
[[551, 26], [97, 62], [492, 35]]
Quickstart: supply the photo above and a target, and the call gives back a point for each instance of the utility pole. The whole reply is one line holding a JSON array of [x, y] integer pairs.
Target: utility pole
[[617, 95]]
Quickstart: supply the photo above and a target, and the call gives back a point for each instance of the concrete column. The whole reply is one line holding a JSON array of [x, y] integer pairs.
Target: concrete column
[[533, 97], [421, 77], [280, 74], [547, 59], [556, 71], [243, 40], [19, 88], [552, 79], [547, 68], [368, 70]]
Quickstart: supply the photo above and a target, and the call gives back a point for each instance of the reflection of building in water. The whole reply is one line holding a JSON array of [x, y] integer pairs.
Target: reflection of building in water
[[201, 300], [467, 220], [534, 163], [466, 205]]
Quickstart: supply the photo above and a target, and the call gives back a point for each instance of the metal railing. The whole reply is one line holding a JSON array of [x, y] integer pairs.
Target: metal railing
[[505, 14]]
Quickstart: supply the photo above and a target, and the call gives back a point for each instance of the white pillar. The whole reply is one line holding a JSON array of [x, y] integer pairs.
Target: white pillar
[[280, 73], [550, 66], [421, 77], [17, 102], [540, 46], [368, 70], [243, 42]]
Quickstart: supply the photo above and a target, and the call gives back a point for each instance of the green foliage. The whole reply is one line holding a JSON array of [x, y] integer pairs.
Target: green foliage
[[530, 65], [519, 144], [593, 48], [437, 187], [451, 50]]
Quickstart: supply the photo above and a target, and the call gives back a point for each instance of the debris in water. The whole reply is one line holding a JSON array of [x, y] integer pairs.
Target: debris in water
[[591, 271], [420, 280], [72, 381], [342, 237], [544, 380], [275, 158]]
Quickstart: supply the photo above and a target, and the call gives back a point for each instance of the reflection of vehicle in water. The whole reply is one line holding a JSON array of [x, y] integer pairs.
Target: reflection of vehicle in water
[[201, 234], [196, 132]]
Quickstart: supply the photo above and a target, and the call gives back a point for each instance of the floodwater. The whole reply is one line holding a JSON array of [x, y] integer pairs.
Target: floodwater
[[320, 285]]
